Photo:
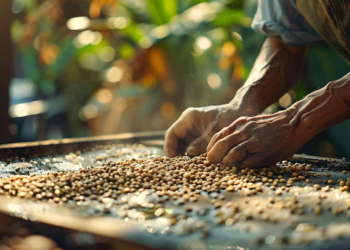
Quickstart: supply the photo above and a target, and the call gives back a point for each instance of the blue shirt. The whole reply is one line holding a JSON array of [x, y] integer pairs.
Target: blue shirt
[[281, 18]]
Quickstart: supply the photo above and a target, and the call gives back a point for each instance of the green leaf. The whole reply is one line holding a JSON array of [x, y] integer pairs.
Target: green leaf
[[126, 51], [229, 17], [93, 49], [162, 11], [133, 32]]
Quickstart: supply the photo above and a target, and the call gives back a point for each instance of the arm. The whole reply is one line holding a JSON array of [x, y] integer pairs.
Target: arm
[[264, 140], [276, 70], [323, 108]]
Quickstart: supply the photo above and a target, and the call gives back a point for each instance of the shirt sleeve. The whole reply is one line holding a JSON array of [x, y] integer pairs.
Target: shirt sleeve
[[281, 18]]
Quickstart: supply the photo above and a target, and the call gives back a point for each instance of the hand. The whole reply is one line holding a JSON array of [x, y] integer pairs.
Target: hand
[[192, 132], [257, 141]]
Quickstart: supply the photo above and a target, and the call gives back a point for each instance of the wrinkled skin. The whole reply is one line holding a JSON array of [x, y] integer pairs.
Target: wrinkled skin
[[192, 132], [256, 141], [266, 139], [276, 69]]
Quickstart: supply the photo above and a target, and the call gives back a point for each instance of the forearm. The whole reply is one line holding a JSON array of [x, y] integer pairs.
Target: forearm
[[276, 70], [322, 108]]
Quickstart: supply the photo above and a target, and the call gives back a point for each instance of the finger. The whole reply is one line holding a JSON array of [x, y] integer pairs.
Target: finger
[[225, 132], [240, 152], [198, 146], [221, 148], [170, 144], [252, 161], [175, 133], [218, 136], [235, 155]]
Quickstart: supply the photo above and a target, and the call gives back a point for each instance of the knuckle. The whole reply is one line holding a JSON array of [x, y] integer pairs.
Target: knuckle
[[291, 112], [244, 118], [241, 120], [332, 85], [250, 124], [215, 137], [219, 135], [225, 132], [221, 143], [191, 111], [230, 129]]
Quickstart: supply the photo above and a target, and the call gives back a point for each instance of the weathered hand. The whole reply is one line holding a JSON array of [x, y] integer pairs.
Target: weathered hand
[[275, 71], [192, 132], [257, 141]]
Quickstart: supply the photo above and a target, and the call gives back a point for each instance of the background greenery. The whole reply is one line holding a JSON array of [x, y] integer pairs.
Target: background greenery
[[136, 65]]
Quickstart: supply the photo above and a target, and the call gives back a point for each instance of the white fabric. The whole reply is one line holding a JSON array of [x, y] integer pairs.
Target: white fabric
[[281, 18]]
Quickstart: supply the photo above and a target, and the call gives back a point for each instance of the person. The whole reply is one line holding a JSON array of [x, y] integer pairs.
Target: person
[[236, 133]]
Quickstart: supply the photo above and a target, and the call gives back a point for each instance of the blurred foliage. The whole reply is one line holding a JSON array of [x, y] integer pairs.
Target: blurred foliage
[[167, 47], [161, 12], [126, 65]]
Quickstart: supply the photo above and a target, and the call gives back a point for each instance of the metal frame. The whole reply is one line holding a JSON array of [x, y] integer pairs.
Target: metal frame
[[63, 146]]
